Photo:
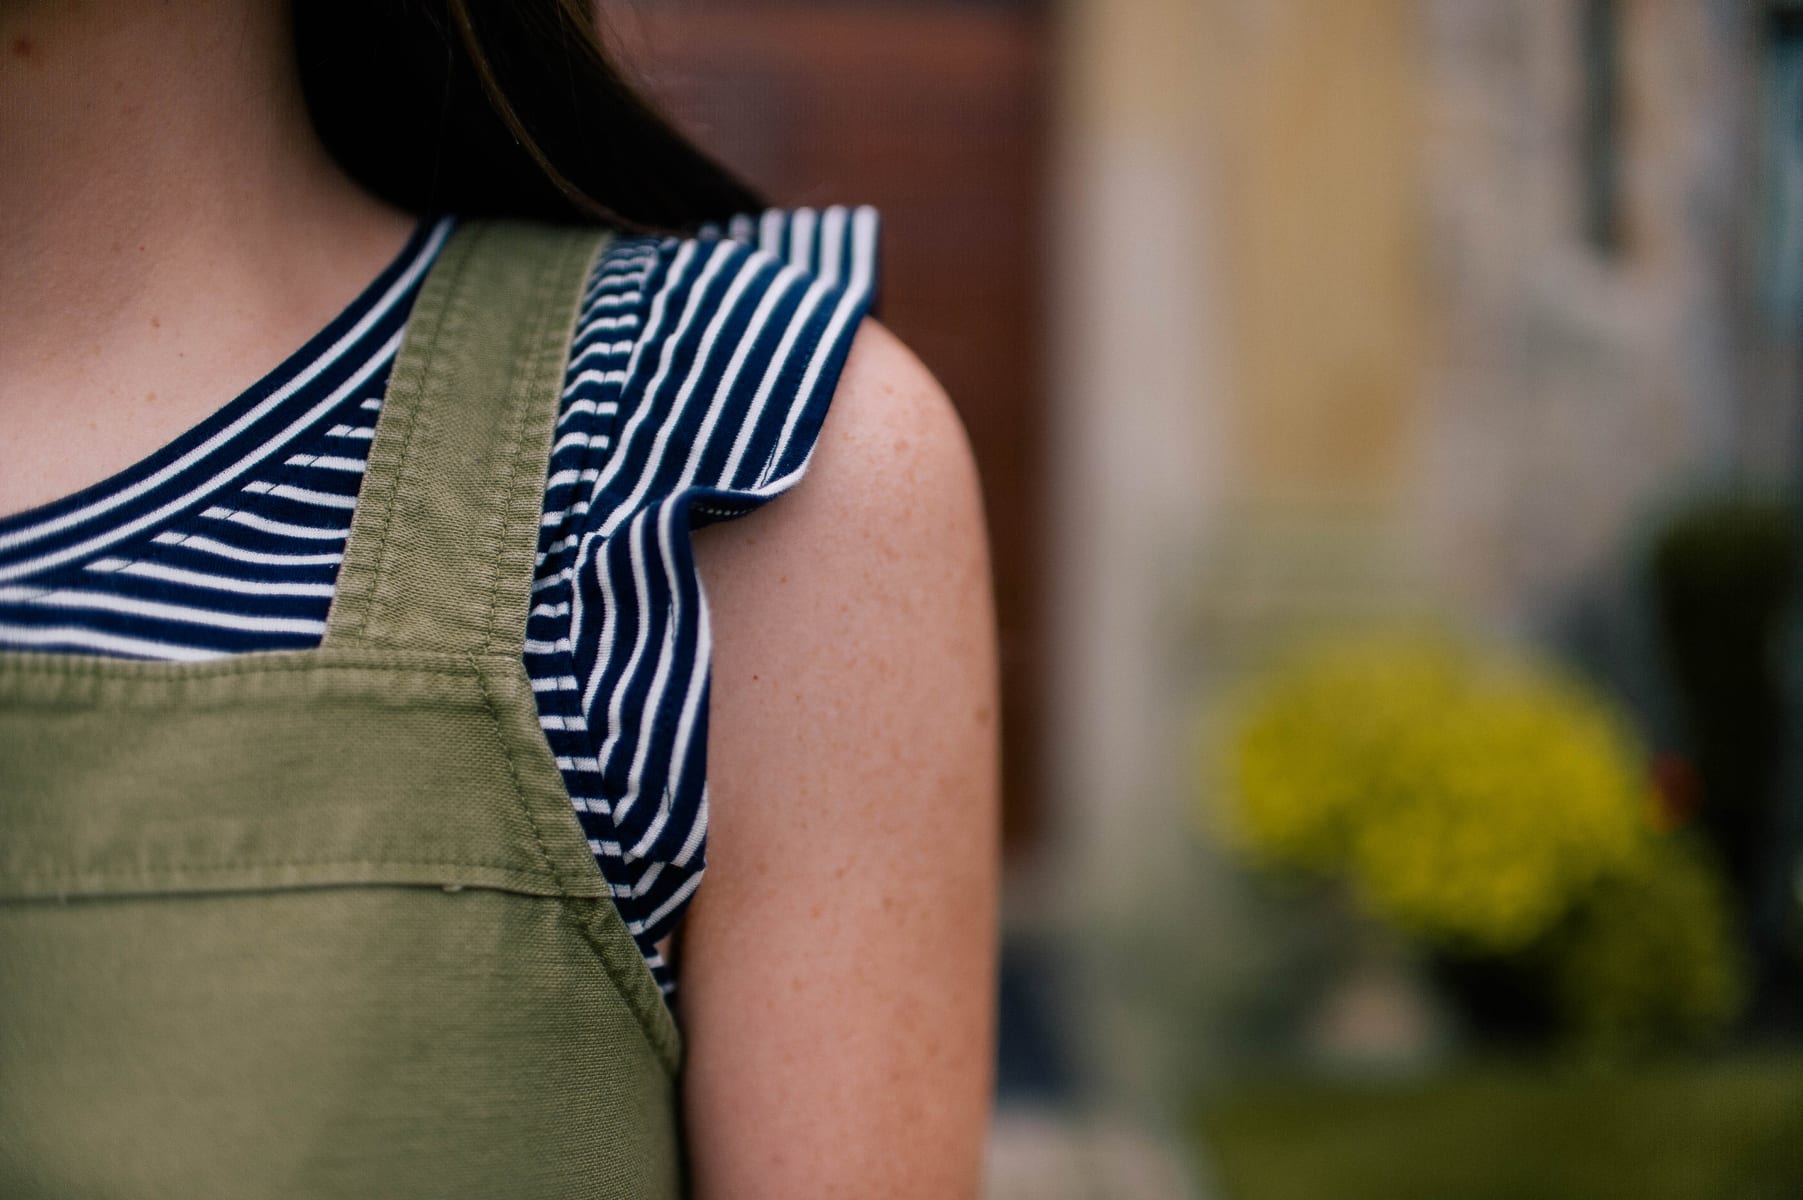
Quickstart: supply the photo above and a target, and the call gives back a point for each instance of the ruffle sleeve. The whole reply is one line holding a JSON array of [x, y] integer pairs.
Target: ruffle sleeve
[[700, 373]]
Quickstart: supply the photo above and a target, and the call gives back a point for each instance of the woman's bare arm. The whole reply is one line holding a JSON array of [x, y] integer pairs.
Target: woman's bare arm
[[838, 961]]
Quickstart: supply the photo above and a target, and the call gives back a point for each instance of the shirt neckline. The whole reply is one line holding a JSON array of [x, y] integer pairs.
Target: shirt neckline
[[27, 534]]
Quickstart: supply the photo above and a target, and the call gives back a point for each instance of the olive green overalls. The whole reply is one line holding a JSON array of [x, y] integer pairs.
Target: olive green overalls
[[323, 923]]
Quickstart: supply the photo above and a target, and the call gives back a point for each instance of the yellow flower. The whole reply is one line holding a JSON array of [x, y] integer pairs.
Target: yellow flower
[[1466, 801]]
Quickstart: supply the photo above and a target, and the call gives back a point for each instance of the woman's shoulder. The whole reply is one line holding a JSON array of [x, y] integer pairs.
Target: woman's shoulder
[[699, 383], [750, 355], [853, 752], [717, 355], [714, 370]]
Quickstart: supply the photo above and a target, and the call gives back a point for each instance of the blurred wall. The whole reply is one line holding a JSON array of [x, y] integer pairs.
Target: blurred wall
[[1577, 383], [1142, 458], [1367, 309]]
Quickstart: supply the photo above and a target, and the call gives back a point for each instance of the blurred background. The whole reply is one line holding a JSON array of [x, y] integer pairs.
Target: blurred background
[[1389, 416]]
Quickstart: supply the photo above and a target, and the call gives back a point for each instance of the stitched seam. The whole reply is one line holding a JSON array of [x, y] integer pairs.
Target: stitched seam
[[648, 1022], [418, 410], [519, 788], [81, 670], [211, 868], [506, 514], [568, 902], [512, 518], [358, 587], [400, 474], [527, 503]]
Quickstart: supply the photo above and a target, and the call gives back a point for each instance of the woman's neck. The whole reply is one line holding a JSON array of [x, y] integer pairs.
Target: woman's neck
[[172, 225]]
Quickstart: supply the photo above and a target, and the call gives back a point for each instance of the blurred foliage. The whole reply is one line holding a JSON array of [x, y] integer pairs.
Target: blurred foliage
[[1723, 573], [1647, 957], [1496, 811], [1727, 1130], [1466, 801]]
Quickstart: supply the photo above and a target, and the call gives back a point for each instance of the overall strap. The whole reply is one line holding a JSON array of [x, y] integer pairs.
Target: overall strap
[[445, 534]]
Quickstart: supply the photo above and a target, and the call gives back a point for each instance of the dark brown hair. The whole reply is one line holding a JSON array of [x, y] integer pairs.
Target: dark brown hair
[[499, 108]]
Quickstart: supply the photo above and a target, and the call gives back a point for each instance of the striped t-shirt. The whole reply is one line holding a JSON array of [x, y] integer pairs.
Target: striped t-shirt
[[697, 380]]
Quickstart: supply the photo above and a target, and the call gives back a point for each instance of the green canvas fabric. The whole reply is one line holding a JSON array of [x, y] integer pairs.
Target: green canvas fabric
[[323, 923]]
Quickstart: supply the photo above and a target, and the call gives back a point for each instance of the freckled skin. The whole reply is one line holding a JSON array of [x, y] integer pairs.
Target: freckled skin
[[865, 1071]]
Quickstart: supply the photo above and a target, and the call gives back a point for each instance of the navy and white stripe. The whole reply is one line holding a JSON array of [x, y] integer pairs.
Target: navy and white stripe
[[697, 380], [219, 542]]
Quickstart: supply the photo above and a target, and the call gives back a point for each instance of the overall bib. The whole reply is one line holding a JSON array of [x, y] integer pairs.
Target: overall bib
[[323, 922]]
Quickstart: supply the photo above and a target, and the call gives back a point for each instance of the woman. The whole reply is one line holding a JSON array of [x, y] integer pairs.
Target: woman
[[358, 752]]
